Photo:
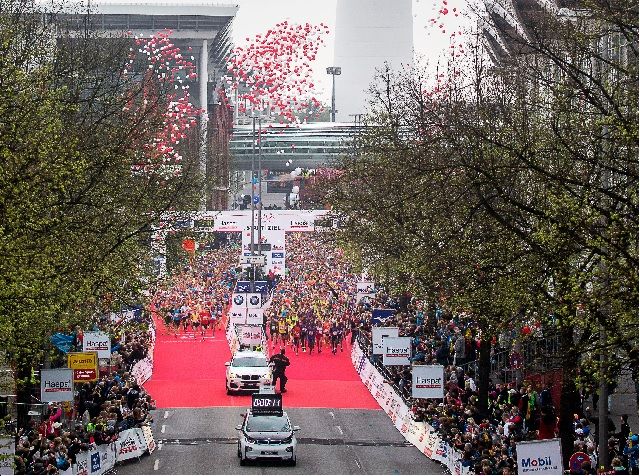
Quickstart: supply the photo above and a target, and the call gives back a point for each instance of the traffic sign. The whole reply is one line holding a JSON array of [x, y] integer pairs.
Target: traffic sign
[[260, 260]]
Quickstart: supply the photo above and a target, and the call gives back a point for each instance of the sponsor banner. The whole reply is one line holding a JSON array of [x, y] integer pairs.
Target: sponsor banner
[[277, 255], [427, 381], [380, 317], [365, 287], [420, 434], [97, 461], [56, 385], [238, 315], [396, 350], [130, 444], [84, 365], [97, 342], [254, 300], [82, 360], [239, 300], [539, 457], [250, 335], [148, 438], [255, 317], [244, 286], [228, 221], [261, 287], [379, 333], [7, 452], [142, 370]]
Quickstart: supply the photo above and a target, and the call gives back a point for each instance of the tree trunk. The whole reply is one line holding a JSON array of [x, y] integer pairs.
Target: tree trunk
[[484, 371], [569, 396]]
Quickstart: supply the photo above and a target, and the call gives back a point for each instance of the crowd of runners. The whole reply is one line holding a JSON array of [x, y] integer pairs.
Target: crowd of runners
[[313, 306], [194, 300]]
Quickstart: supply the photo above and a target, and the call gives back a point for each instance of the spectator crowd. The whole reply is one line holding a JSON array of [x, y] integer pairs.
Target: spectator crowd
[[49, 441]]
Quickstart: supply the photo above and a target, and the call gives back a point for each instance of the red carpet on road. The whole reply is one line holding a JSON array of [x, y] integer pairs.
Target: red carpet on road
[[189, 372]]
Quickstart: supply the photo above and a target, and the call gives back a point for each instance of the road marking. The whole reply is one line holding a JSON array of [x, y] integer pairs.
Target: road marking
[[156, 464], [164, 427], [332, 415], [340, 429], [166, 414], [358, 464], [160, 446]]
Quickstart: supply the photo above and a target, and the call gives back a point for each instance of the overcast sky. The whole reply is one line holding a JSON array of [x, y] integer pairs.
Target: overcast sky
[[257, 16]]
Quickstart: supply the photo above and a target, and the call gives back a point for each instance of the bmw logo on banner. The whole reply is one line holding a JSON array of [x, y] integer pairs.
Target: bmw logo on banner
[[253, 300], [239, 299]]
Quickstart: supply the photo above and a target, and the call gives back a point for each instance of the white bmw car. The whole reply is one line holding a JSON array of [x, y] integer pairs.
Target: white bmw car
[[248, 370], [267, 437]]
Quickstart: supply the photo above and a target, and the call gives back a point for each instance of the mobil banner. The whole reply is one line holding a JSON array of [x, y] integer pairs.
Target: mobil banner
[[130, 444], [379, 333], [97, 342], [396, 350], [427, 381], [380, 317], [255, 317], [250, 335], [239, 300], [254, 300], [237, 315], [539, 457], [56, 385]]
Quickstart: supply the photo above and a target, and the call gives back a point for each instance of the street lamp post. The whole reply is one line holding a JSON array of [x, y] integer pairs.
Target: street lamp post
[[333, 71]]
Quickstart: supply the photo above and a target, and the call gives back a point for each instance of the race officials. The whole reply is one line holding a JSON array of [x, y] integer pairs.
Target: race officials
[[280, 363]]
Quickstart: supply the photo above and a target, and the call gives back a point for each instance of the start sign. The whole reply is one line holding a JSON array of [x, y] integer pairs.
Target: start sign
[[266, 404]]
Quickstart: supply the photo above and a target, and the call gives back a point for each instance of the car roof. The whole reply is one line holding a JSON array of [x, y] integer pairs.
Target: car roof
[[249, 353]]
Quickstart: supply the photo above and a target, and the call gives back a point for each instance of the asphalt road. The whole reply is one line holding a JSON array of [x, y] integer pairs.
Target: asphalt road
[[204, 441]]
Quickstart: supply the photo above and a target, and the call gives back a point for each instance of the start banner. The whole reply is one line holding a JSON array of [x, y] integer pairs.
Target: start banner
[[56, 385], [427, 381]]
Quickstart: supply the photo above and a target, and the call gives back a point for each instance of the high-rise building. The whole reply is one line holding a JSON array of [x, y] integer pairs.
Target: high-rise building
[[368, 34]]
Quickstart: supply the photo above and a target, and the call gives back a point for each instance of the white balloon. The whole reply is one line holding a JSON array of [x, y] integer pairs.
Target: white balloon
[[295, 189], [298, 170]]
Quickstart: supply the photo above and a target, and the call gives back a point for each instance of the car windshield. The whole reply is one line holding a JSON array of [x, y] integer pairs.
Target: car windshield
[[268, 423], [249, 362]]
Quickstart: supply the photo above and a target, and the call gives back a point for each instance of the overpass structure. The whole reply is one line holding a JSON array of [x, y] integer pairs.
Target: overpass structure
[[285, 147]]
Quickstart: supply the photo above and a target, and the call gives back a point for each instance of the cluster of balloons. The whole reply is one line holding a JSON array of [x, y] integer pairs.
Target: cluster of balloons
[[274, 70], [167, 71]]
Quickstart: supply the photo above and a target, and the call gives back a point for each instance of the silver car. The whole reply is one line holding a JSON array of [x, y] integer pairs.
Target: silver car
[[267, 437], [248, 370]]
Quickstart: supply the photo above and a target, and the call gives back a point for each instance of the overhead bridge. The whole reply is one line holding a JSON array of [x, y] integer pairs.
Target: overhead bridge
[[285, 147]]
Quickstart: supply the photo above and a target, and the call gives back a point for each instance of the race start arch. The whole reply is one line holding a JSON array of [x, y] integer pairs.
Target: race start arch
[[274, 225]]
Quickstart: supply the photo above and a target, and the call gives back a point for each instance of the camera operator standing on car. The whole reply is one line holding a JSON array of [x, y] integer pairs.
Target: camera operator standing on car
[[280, 362]]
